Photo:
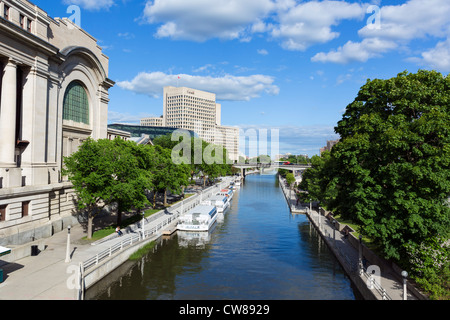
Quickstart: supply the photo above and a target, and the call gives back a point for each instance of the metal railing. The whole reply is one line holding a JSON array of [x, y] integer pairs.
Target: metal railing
[[136, 235], [352, 263]]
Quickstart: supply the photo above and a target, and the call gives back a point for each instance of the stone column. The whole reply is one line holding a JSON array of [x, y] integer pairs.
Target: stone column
[[8, 115]]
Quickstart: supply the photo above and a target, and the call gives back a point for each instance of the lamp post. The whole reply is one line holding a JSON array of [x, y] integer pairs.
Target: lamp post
[[143, 226], [319, 217], [68, 245], [360, 256], [404, 275], [310, 206], [334, 232]]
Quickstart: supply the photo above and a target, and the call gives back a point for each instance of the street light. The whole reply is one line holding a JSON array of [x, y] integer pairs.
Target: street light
[[360, 256], [68, 245], [334, 232], [404, 275]]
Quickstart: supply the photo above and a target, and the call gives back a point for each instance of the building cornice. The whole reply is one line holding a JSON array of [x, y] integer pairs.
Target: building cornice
[[27, 38]]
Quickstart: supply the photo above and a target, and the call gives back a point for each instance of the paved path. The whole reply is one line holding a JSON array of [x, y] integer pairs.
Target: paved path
[[347, 252], [46, 276]]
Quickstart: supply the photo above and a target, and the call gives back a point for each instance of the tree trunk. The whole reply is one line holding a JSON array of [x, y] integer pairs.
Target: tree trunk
[[90, 226], [165, 198], [119, 215]]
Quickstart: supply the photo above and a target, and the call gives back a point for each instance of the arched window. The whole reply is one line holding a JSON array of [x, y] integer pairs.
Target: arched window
[[76, 103]]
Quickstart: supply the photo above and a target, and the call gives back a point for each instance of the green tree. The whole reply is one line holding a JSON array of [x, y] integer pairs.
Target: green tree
[[169, 176], [90, 172], [319, 180], [392, 164], [290, 179], [132, 177], [104, 172]]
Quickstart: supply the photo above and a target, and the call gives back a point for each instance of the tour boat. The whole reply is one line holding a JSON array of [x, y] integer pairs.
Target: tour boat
[[200, 218], [226, 192], [221, 202]]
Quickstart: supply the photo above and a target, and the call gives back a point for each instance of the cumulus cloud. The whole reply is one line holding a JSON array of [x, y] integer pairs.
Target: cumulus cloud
[[438, 57], [200, 20], [228, 87], [308, 23], [399, 25], [356, 51], [91, 4]]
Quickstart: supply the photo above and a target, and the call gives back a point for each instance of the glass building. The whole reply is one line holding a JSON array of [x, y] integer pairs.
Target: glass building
[[154, 132]]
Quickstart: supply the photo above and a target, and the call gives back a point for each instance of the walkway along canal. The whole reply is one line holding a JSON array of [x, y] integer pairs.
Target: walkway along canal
[[257, 251], [377, 279]]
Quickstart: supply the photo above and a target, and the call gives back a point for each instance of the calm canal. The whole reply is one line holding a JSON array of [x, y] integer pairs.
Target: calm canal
[[259, 251]]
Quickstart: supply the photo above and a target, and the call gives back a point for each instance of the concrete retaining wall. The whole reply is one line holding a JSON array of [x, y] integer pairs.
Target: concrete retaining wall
[[97, 273]]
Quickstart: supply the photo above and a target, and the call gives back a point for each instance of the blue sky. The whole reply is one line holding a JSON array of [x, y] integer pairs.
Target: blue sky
[[274, 64]]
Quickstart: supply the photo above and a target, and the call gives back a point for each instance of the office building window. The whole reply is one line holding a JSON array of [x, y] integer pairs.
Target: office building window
[[76, 103], [6, 12], [25, 208], [2, 213]]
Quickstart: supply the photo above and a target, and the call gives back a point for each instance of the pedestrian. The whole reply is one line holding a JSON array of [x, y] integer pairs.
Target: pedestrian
[[346, 233], [118, 231]]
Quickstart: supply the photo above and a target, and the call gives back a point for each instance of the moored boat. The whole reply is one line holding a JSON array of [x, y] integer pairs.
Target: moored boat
[[200, 218], [221, 202]]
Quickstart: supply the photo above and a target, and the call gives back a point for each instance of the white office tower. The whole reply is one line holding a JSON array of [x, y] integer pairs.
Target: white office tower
[[197, 110]]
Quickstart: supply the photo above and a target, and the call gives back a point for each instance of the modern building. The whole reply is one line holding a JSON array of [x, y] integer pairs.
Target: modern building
[[196, 110], [54, 95], [153, 122], [139, 131], [228, 137], [191, 109], [329, 146]]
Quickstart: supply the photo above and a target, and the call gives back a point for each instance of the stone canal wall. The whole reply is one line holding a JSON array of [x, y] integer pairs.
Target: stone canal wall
[[350, 252]]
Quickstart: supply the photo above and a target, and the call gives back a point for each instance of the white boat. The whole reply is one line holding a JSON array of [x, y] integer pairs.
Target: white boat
[[200, 218], [226, 192], [237, 183], [221, 202]]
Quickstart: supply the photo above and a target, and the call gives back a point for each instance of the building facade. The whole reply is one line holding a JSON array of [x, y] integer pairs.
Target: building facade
[[153, 122], [329, 146], [196, 110], [228, 137], [54, 95], [191, 109]]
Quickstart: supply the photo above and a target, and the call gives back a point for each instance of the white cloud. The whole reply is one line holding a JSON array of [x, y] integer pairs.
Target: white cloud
[[200, 20], [91, 4], [228, 87], [399, 25], [356, 51], [412, 20], [308, 23], [263, 52], [438, 57]]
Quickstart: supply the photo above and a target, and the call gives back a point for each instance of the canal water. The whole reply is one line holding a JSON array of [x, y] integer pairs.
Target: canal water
[[258, 251]]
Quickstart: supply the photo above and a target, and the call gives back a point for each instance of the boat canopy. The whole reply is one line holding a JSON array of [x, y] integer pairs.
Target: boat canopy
[[218, 197], [4, 251], [202, 211]]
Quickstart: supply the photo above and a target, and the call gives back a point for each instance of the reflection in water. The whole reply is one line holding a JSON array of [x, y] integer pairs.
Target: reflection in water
[[258, 251]]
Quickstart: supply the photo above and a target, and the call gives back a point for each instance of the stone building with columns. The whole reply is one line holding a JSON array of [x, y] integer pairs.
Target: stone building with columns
[[54, 95]]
